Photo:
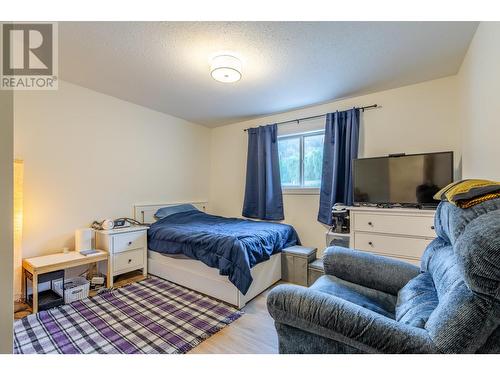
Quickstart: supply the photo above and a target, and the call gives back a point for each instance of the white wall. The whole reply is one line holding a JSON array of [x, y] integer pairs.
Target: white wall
[[413, 119], [88, 155], [479, 83], [6, 222]]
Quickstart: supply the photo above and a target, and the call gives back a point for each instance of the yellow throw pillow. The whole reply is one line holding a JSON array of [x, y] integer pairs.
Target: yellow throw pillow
[[467, 193]]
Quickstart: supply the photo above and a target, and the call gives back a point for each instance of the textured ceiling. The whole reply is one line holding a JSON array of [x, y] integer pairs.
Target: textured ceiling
[[286, 65]]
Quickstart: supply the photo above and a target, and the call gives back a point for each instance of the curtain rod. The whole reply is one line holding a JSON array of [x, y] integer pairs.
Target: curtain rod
[[373, 106]]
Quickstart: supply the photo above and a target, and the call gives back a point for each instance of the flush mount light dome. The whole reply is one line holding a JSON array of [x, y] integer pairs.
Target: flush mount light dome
[[225, 68]]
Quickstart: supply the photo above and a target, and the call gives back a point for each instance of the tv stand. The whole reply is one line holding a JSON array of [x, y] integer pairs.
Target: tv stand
[[397, 232], [419, 206], [426, 206]]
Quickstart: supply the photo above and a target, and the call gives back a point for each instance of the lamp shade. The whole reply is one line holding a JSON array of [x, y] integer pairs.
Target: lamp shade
[[226, 68], [18, 226]]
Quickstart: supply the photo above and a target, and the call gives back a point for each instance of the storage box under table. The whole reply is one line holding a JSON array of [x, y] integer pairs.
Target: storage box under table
[[73, 289], [47, 299]]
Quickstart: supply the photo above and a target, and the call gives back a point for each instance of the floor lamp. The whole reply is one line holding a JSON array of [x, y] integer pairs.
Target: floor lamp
[[18, 226]]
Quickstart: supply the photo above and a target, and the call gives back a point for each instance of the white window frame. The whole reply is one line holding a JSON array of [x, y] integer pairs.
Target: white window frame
[[300, 190]]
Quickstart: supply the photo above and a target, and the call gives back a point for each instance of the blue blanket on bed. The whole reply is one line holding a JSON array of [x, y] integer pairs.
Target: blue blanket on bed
[[231, 245]]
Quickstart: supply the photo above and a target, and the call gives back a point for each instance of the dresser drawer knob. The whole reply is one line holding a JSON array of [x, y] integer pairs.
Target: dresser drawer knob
[[129, 261], [370, 243], [370, 223], [432, 227], [130, 243]]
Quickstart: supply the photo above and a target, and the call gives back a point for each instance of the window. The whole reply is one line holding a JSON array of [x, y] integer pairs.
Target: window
[[301, 160]]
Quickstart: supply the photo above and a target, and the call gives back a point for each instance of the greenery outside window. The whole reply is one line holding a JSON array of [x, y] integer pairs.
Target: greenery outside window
[[301, 161]]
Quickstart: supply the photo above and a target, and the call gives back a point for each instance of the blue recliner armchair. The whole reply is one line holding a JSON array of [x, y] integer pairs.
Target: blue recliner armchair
[[372, 304]]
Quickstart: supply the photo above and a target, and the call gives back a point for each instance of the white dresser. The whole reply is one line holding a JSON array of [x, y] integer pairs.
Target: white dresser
[[127, 248], [401, 233]]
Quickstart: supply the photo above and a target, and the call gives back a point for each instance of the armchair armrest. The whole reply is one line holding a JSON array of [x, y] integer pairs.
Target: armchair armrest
[[370, 270], [337, 319]]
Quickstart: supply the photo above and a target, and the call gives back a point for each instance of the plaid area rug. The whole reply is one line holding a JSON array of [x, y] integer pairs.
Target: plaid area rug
[[151, 316]]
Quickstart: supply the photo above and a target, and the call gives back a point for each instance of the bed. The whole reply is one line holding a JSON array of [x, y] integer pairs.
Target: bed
[[230, 259]]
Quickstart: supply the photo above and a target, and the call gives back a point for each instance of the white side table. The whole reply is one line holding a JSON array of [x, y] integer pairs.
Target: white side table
[[127, 248]]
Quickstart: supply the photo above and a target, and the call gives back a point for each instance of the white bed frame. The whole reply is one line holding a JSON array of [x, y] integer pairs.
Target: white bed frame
[[195, 275]]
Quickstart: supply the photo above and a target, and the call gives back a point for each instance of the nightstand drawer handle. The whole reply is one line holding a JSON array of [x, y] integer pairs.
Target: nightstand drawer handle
[[370, 223], [130, 261], [370, 243], [432, 227], [130, 243]]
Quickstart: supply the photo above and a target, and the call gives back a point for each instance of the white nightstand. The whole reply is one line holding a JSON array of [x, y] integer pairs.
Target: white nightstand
[[127, 248]]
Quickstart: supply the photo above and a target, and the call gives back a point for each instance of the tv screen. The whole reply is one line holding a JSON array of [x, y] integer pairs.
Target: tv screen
[[406, 180]]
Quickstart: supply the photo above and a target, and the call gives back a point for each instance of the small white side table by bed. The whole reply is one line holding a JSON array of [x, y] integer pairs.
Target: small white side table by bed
[[127, 248]]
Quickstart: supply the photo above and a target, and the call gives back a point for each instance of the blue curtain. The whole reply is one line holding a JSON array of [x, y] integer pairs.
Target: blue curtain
[[263, 197], [341, 146]]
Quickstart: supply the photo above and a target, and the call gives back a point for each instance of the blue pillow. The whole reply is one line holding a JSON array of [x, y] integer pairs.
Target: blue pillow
[[170, 210]]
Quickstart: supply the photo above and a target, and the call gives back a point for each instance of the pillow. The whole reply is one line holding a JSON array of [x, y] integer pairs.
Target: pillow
[[467, 193], [170, 210]]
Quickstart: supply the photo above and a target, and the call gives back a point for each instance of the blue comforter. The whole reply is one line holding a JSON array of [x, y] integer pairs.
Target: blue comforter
[[231, 245]]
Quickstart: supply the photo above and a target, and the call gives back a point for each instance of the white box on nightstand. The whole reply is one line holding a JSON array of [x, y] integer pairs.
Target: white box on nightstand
[[127, 248]]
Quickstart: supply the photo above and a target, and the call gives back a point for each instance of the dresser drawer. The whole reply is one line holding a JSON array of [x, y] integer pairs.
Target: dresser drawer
[[422, 226], [128, 260], [129, 241], [403, 247]]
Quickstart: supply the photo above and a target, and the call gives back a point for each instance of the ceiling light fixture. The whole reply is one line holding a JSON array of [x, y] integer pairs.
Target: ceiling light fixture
[[225, 68]]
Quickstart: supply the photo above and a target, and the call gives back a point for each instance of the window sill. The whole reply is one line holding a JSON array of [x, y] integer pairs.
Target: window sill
[[301, 191]]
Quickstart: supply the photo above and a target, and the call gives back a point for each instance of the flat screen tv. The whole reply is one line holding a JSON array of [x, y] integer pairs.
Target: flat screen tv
[[410, 180]]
